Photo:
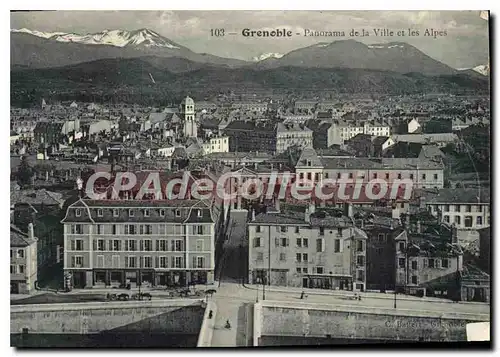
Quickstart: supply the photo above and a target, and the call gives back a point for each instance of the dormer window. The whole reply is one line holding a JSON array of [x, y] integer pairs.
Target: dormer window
[[177, 212], [146, 213], [78, 212], [115, 212], [99, 212], [162, 213], [200, 213], [131, 213]]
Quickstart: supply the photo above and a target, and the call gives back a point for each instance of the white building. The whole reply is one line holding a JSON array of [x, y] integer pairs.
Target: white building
[[217, 144], [288, 135]]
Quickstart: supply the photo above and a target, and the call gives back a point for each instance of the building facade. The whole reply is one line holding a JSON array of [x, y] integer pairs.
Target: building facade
[[23, 260], [152, 243], [310, 250], [289, 135]]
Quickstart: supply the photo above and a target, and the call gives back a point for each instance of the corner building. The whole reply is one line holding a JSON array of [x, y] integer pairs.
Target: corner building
[[113, 243]]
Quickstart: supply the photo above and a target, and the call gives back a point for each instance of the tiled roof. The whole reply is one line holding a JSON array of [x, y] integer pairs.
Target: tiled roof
[[18, 238], [36, 197], [459, 195]]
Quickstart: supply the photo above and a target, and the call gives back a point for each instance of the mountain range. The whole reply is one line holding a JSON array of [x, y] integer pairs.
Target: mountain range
[[121, 64], [36, 49]]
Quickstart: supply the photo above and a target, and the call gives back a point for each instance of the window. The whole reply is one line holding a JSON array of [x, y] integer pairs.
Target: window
[[336, 247], [148, 245], [479, 220], [260, 256], [399, 176], [359, 246], [468, 221], [147, 262], [298, 270], [299, 242], [283, 229], [163, 262], [457, 208], [298, 257], [132, 262], [258, 229], [78, 244], [319, 245], [438, 263], [304, 270], [13, 269], [445, 263], [113, 229], [132, 245], [146, 213], [304, 257], [414, 279], [305, 242], [78, 212], [321, 231], [360, 260], [199, 245], [297, 230], [20, 253], [116, 245], [319, 270], [387, 175], [115, 212], [361, 275], [199, 230], [199, 262], [350, 175], [401, 246], [411, 176], [381, 237], [414, 265], [282, 257], [178, 262], [177, 212], [162, 213], [284, 242], [256, 242], [401, 262], [100, 244], [131, 213], [375, 175], [99, 212], [457, 219], [435, 176], [78, 261], [130, 229], [200, 213], [178, 246], [479, 208], [431, 263], [447, 208], [446, 219], [424, 176]]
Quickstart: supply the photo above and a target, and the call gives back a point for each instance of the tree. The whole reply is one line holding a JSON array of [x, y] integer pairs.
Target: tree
[[25, 173]]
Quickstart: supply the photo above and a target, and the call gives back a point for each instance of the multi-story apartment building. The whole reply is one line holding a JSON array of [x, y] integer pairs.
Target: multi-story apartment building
[[121, 242], [23, 260], [250, 106], [344, 130], [428, 263], [251, 136], [423, 173], [320, 248], [304, 106], [467, 208], [289, 135], [216, 144]]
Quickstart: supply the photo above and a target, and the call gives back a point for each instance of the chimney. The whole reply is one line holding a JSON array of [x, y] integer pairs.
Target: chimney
[[309, 210], [419, 227], [395, 211], [277, 204], [31, 231], [255, 166], [348, 210], [253, 214], [46, 176]]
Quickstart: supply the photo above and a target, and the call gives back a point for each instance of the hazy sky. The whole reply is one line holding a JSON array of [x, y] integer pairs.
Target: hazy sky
[[464, 46]]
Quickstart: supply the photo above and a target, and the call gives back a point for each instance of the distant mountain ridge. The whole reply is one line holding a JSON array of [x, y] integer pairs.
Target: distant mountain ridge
[[36, 49]]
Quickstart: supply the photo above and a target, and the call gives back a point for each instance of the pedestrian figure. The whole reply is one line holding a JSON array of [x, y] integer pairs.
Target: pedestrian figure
[[210, 314], [228, 325], [302, 294]]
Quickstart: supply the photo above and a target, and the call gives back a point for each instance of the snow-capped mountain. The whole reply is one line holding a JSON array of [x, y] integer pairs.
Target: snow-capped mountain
[[265, 56], [482, 69], [118, 38]]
